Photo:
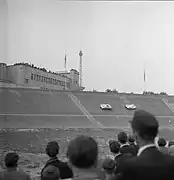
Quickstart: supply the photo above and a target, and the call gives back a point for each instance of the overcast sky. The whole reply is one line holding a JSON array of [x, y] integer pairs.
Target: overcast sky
[[117, 39]]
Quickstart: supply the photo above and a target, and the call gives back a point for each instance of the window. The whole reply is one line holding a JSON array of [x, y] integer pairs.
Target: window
[[68, 85], [37, 79], [34, 76], [31, 76]]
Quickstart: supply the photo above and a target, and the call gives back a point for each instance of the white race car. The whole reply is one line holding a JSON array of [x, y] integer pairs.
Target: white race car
[[105, 106], [130, 106]]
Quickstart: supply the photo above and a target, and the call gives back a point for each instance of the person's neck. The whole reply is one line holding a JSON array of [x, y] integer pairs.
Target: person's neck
[[115, 154], [123, 144], [78, 171], [145, 143], [55, 157]]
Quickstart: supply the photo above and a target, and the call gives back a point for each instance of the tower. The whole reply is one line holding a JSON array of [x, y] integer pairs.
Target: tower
[[80, 68]]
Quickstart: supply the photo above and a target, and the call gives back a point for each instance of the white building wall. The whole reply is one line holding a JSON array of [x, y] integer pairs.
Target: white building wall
[[32, 77]]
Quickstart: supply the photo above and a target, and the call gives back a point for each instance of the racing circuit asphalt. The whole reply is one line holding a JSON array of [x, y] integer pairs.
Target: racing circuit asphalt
[[24, 108]]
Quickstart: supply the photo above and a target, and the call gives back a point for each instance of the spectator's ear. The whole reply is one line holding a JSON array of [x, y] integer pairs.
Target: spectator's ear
[[136, 136]]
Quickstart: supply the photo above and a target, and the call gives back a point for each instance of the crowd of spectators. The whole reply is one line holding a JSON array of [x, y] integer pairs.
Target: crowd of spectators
[[136, 156]]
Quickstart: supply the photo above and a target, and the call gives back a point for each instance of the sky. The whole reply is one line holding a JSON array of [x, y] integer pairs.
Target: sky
[[118, 40]]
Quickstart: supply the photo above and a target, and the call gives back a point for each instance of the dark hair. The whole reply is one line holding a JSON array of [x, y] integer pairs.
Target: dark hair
[[161, 142], [50, 173], [131, 139], [148, 134], [171, 143], [145, 124], [122, 137], [52, 149], [114, 147], [83, 152], [111, 141], [11, 159], [109, 165]]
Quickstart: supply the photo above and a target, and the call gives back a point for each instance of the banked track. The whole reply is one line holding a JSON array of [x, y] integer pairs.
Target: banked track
[[34, 103]]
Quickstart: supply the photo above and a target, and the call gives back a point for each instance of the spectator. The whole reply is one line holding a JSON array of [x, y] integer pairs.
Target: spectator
[[122, 139], [162, 143], [50, 173], [132, 145], [52, 150], [124, 152], [149, 163], [124, 146], [12, 172], [109, 168], [114, 147], [83, 155], [171, 150]]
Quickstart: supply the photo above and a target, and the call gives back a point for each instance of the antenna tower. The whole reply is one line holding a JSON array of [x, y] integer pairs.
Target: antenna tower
[[80, 69]]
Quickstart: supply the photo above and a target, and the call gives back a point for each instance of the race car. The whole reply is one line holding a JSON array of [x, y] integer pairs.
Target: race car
[[105, 106], [130, 106]]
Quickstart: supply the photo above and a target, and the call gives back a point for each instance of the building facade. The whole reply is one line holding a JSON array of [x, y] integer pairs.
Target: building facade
[[30, 76]]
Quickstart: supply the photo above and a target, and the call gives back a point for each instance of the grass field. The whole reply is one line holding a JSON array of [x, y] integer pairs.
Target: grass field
[[31, 118]]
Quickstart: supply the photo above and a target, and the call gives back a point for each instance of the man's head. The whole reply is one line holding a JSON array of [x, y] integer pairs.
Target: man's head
[[50, 173], [52, 149], [162, 142], [109, 166], [11, 160], [83, 152], [144, 126], [114, 147], [122, 137], [131, 139]]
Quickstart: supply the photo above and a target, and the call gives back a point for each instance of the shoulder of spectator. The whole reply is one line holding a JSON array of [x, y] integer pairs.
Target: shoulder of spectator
[[28, 177], [127, 161]]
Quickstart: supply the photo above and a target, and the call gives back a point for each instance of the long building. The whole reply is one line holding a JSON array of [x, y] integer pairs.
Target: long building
[[29, 76]]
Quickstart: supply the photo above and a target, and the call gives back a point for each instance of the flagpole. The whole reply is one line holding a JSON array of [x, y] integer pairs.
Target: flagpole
[[144, 77], [65, 68]]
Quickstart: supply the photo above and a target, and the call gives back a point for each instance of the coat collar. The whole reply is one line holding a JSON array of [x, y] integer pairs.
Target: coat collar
[[143, 148]]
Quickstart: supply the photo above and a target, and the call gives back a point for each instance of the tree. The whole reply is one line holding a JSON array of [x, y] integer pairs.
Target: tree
[[114, 90], [108, 90], [163, 93]]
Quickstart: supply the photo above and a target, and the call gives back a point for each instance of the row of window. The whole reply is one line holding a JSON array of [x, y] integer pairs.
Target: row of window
[[47, 80]]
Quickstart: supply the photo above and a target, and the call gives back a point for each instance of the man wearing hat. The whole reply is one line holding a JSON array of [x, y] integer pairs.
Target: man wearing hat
[[149, 163]]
